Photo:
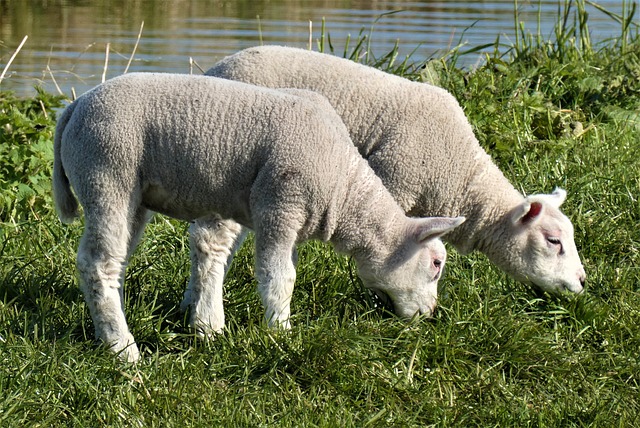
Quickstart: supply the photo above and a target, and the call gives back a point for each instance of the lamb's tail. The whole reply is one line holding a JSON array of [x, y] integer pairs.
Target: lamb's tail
[[65, 201]]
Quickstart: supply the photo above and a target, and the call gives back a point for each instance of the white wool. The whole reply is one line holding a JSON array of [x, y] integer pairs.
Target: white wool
[[224, 154], [417, 139]]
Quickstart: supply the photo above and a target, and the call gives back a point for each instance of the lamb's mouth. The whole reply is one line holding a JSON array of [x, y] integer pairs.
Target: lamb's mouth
[[567, 287], [558, 289], [380, 299]]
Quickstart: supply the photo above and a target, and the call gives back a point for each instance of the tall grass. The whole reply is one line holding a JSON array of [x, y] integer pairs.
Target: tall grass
[[496, 353]]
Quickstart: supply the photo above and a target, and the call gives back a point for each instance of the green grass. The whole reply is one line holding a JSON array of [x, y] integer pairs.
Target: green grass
[[496, 353]]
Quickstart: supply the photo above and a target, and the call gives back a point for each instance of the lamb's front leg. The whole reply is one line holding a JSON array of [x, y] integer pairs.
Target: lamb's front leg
[[213, 242], [276, 274]]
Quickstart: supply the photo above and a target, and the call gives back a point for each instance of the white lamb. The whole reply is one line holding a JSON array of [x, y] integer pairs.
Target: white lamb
[[206, 149], [417, 139]]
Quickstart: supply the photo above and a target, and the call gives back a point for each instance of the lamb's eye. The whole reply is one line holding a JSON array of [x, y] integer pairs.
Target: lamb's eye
[[553, 240]]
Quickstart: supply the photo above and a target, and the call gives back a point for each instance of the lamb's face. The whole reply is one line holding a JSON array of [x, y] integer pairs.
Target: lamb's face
[[408, 278], [412, 287], [542, 248]]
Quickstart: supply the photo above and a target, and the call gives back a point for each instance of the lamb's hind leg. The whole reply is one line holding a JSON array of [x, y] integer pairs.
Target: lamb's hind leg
[[213, 242], [102, 256], [137, 224]]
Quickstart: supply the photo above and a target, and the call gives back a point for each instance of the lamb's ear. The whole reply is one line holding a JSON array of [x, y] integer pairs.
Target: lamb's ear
[[533, 205], [557, 197], [427, 228], [527, 211]]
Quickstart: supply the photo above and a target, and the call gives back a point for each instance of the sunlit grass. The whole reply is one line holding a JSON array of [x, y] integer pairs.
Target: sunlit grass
[[496, 353]]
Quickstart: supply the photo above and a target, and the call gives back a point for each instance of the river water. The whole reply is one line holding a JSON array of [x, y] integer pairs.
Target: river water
[[73, 44]]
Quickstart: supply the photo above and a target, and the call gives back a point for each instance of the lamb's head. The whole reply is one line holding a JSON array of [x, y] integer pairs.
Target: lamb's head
[[407, 276], [540, 248]]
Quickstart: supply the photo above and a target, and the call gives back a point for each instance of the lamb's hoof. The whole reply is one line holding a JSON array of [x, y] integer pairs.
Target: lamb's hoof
[[206, 330], [126, 350], [130, 354], [284, 324], [186, 303]]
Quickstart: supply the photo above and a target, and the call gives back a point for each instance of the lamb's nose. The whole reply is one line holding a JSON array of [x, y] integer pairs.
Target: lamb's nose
[[582, 277], [428, 311], [438, 265]]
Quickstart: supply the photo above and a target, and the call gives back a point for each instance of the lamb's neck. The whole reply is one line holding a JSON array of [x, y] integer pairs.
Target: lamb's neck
[[368, 217], [486, 200]]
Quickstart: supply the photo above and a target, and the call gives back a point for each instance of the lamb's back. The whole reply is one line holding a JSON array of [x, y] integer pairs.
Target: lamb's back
[[414, 135], [193, 139]]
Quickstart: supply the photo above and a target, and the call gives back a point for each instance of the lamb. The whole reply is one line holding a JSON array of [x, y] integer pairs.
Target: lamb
[[417, 139], [207, 150]]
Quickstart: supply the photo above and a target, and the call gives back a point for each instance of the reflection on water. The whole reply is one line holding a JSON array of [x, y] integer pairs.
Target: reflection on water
[[70, 37]]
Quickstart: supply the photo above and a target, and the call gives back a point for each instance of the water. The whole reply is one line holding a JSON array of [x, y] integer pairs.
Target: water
[[67, 43]]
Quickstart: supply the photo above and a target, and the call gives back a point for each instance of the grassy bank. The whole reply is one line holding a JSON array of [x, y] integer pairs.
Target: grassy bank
[[496, 353]]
